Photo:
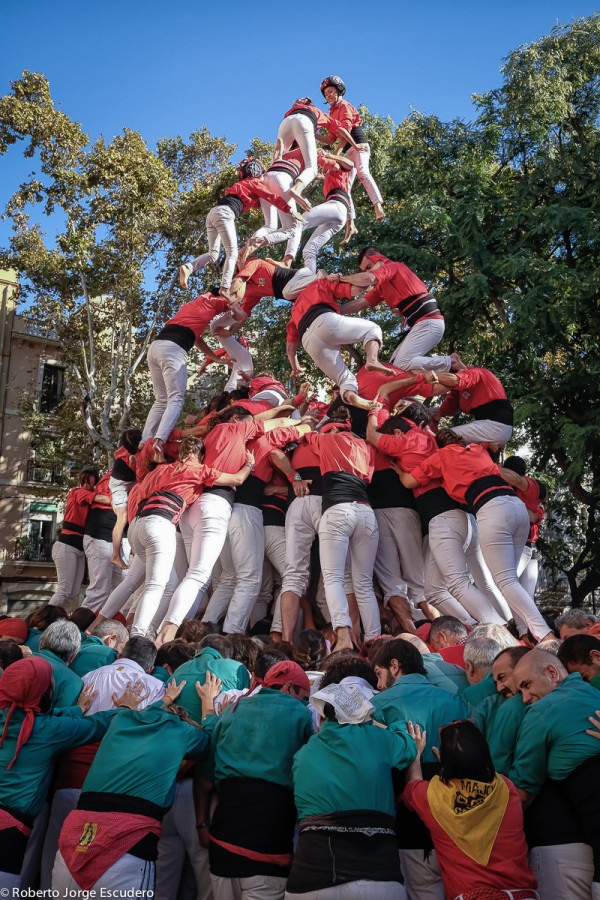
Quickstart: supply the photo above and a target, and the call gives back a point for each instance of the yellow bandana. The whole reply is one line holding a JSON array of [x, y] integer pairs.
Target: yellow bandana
[[470, 812]]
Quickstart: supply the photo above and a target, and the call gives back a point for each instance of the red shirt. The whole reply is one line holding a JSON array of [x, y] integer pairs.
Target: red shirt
[[454, 654], [186, 479], [410, 449], [305, 456], [77, 508], [252, 190], [263, 446], [102, 490], [531, 498], [225, 445], [336, 178], [343, 115], [133, 501], [258, 275], [255, 406], [475, 387], [319, 292], [264, 383], [343, 452], [322, 120], [534, 527], [396, 285], [370, 382], [198, 313], [458, 467], [507, 866]]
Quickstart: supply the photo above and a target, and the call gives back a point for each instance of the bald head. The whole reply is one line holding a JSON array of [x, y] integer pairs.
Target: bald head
[[416, 641], [538, 673]]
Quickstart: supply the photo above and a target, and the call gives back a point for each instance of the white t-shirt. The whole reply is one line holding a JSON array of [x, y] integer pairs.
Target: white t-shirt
[[115, 678]]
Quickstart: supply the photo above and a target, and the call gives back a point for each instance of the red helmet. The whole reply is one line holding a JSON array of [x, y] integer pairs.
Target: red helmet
[[333, 81], [250, 168]]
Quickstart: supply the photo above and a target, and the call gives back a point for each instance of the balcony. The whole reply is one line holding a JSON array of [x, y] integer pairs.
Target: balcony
[[44, 474], [31, 549]]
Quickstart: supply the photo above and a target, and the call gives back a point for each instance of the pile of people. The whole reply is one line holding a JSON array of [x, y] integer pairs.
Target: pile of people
[[273, 548]]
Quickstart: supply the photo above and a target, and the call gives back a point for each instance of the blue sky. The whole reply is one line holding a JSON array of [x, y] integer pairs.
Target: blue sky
[[166, 68]]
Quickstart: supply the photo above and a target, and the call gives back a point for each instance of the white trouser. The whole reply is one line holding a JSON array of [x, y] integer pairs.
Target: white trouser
[[301, 528], [483, 430], [104, 576], [128, 874], [242, 562], [275, 398], [239, 355], [450, 534], [503, 525], [220, 229], [411, 352], [204, 528], [264, 601], [350, 526], [167, 362], [142, 623], [275, 554], [279, 183], [399, 563], [528, 570], [355, 890], [436, 592], [422, 877], [64, 801], [70, 566], [361, 159], [563, 871], [299, 128], [326, 336], [258, 887], [155, 542], [134, 579], [178, 839], [327, 219]]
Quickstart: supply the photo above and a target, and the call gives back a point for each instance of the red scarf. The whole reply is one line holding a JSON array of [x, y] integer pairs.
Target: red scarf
[[22, 686]]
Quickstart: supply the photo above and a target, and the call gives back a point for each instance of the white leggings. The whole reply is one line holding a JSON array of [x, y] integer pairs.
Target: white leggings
[[327, 219], [503, 525], [220, 229], [301, 528], [343, 527], [167, 362], [528, 570], [70, 566], [155, 542], [361, 159], [422, 337], [399, 563], [484, 430], [204, 529], [326, 336], [299, 128], [279, 183]]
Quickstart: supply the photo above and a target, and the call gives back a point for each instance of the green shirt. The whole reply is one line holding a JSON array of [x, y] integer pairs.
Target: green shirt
[[456, 674], [435, 676], [93, 655], [33, 639], [232, 674], [24, 787], [259, 737], [595, 681], [67, 685], [502, 738], [330, 773], [161, 673], [552, 740], [475, 694], [412, 698], [141, 754]]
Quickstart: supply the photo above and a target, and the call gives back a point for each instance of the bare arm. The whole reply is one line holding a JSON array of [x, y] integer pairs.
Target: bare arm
[[354, 306], [373, 436], [275, 413], [342, 161], [291, 349], [210, 354], [515, 480]]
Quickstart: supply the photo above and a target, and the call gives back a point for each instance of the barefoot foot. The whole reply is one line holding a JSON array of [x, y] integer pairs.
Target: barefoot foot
[[184, 273]]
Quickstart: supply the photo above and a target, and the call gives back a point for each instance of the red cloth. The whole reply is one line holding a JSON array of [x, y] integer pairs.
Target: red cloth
[[74, 765], [410, 449], [77, 508], [476, 387], [454, 654], [196, 314], [329, 426], [458, 467], [323, 120], [252, 190], [258, 275], [143, 460], [266, 383], [395, 283], [8, 821], [15, 628], [186, 479], [285, 672], [271, 859], [343, 115], [507, 866], [343, 452], [320, 291], [22, 686], [275, 439], [225, 445], [304, 456], [92, 842], [255, 406], [369, 384], [336, 178]]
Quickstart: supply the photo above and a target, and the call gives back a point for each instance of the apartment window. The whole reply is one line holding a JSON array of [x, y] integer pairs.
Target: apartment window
[[52, 385]]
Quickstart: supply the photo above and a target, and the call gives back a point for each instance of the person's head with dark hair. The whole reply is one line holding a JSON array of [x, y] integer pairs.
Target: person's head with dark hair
[[445, 437], [216, 403], [142, 651], [45, 616], [89, 477], [82, 617], [130, 439], [218, 642], [464, 753], [395, 423], [515, 464], [309, 649], [286, 647], [396, 658], [245, 650], [242, 393], [191, 631], [229, 414], [173, 654], [346, 664], [446, 631], [416, 412], [190, 447], [370, 649], [364, 257], [581, 653], [10, 652], [503, 668], [265, 660]]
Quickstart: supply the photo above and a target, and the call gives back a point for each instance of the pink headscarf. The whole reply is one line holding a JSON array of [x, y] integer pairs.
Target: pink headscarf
[[22, 686]]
